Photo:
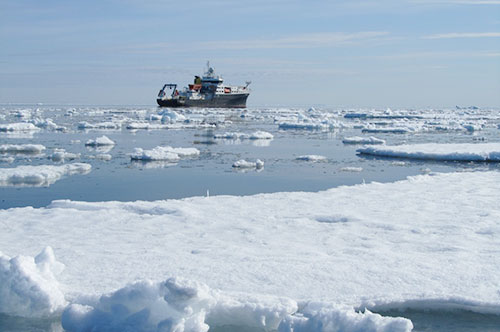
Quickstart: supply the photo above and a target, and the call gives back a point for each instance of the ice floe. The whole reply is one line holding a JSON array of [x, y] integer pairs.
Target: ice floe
[[435, 151], [100, 125], [178, 304], [100, 141], [20, 126], [28, 285], [392, 245], [166, 153], [61, 155], [242, 163], [311, 157], [40, 175], [363, 140], [351, 169], [22, 148]]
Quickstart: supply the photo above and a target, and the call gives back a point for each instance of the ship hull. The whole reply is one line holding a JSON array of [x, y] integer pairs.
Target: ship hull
[[219, 101]]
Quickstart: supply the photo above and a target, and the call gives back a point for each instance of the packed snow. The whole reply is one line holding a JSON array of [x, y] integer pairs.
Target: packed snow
[[40, 175], [22, 148], [242, 163], [398, 251], [62, 155], [435, 151], [28, 285], [362, 140], [20, 126], [166, 153], [311, 157], [100, 141], [351, 169]]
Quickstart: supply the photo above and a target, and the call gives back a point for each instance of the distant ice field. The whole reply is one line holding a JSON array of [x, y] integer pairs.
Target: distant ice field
[[61, 135], [116, 218]]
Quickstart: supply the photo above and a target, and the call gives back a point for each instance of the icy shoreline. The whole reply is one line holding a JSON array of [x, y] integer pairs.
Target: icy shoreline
[[429, 241]]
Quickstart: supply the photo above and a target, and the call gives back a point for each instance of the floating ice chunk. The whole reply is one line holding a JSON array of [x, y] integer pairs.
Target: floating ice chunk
[[61, 155], [22, 148], [232, 135], [393, 130], [242, 163], [20, 126], [157, 153], [320, 317], [101, 125], [172, 305], [9, 159], [166, 153], [398, 163], [28, 286], [363, 140], [104, 156], [47, 124], [435, 151], [261, 135], [99, 141], [169, 116], [351, 169], [182, 305], [42, 175], [311, 157]]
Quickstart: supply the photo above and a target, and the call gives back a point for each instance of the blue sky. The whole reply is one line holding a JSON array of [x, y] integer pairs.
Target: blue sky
[[386, 53]]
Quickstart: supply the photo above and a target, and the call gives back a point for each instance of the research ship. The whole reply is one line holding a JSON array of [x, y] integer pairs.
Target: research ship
[[206, 91]]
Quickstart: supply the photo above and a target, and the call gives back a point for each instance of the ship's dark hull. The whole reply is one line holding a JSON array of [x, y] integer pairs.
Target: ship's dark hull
[[222, 101]]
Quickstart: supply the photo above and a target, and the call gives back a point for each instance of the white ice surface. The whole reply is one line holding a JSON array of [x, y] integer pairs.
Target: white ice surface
[[242, 163], [40, 175], [22, 148], [435, 151], [428, 239], [19, 126], [165, 153], [100, 141], [362, 140], [311, 157], [61, 155], [28, 285]]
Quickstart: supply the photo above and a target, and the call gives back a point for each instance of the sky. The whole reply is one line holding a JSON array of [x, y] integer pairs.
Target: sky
[[339, 53]]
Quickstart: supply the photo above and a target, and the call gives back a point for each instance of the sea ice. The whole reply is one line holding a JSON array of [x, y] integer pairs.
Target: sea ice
[[99, 141], [41, 175], [436, 151], [20, 126], [362, 140], [351, 169], [28, 286], [61, 155], [311, 157], [242, 163], [22, 148], [166, 153]]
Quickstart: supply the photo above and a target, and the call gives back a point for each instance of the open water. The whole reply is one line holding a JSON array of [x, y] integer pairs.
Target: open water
[[212, 173]]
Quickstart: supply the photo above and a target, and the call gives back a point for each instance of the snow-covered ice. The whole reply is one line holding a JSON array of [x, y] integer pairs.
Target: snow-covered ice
[[40, 175], [28, 285], [397, 250], [311, 157], [435, 151], [61, 155], [166, 153], [22, 148], [19, 126], [362, 140], [351, 169], [242, 163], [100, 141]]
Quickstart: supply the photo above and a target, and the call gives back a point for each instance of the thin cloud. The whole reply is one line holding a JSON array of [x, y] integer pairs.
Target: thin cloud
[[463, 35], [311, 40]]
